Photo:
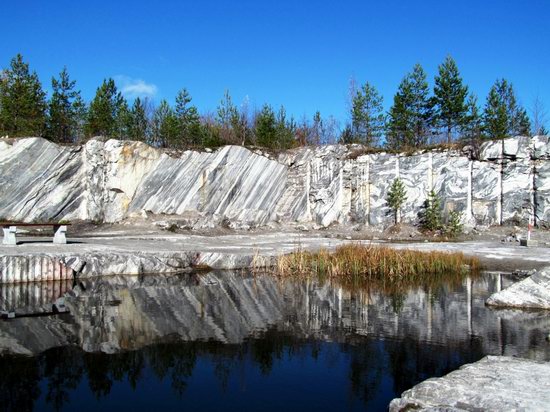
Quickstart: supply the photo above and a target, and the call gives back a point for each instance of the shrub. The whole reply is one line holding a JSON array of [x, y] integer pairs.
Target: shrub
[[430, 218], [397, 196], [454, 225]]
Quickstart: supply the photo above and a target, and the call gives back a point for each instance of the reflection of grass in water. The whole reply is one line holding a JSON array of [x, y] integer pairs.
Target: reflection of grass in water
[[390, 271]]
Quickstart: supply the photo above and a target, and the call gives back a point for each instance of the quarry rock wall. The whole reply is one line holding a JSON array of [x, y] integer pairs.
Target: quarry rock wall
[[506, 181]]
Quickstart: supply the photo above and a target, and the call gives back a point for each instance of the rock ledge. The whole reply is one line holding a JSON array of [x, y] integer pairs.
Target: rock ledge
[[495, 383]]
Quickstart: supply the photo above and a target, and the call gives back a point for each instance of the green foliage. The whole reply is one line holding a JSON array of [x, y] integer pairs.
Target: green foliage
[[410, 123], [189, 125], [139, 124], [397, 196], [22, 101], [165, 125], [454, 225], [266, 127], [108, 112], [346, 137], [66, 110], [450, 98], [411, 116], [123, 120], [285, 130], [431, 215], [472, 127], [229, 119], [503, 117], [368, 120]]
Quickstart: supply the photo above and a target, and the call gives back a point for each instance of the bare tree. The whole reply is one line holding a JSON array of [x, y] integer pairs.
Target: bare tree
[[353, 88], [539, 116]]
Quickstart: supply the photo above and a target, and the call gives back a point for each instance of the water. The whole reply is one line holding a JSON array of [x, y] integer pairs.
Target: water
[[230, 341]]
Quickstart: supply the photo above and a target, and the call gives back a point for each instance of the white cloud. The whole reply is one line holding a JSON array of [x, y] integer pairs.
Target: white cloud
[[133, 88]]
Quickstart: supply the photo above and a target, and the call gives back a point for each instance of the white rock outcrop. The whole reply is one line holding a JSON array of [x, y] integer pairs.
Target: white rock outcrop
[[530, 293], [507, 181], [495, 383]]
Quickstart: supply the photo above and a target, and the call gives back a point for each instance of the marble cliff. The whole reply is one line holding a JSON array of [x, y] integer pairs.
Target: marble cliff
[[108, 181]]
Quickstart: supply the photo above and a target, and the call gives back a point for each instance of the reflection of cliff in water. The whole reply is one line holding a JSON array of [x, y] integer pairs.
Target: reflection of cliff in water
[[170, 327], [127, 313]]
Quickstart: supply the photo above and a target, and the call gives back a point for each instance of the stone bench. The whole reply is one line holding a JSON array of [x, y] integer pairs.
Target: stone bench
[[10, 230]]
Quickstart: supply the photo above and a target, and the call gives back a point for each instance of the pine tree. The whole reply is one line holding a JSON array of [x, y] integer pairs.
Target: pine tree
[[522, 124], [165, 125], [411, 116], [285, 130], [503, 117], [450, 97], [22, 101], [265, 128], [190, 130], [64, 110], [123, 120], [472, 126], [431, 218], [367, 116], [227, 116], [108, 110], [346, 137], [397, 196], [139, 124]]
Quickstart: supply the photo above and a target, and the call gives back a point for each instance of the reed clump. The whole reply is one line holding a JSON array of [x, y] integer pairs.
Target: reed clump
[[358, 265]]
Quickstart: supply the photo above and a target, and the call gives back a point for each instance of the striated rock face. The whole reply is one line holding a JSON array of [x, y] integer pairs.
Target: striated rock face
[[495, 383], [508, 181], [40, 180]]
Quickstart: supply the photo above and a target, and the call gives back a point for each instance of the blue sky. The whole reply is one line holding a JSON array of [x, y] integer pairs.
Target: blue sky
[[300, 54]]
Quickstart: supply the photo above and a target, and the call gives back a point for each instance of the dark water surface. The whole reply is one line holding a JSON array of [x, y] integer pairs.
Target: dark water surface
[[228, 341]]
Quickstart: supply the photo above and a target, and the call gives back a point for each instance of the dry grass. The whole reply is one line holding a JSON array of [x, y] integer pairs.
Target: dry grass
[[360, 265]]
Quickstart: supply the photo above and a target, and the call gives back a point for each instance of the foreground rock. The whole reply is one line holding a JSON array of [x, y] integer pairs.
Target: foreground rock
[[530, 293], [495, 383]]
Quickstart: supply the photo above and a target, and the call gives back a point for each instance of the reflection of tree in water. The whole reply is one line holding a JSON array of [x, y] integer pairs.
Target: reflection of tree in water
[[411, 362], [366, 369], [371, 361], [64, 368], [19, 378]]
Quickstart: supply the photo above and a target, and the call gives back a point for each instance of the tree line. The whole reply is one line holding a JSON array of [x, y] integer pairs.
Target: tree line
[[418, 117]]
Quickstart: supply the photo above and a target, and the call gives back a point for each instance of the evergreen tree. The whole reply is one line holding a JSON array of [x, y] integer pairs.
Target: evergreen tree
[[411, 116], [108, 112], [265, 128], [123, 120], [503, 117], [139, 124], [165, 125], [190, 130], [346, 137], [431, 218], [522, 126], [285, 130], [227, 117], [450, 97], [22, 101], [65, 110], [367, 116], [397, 196], [472, 126]]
